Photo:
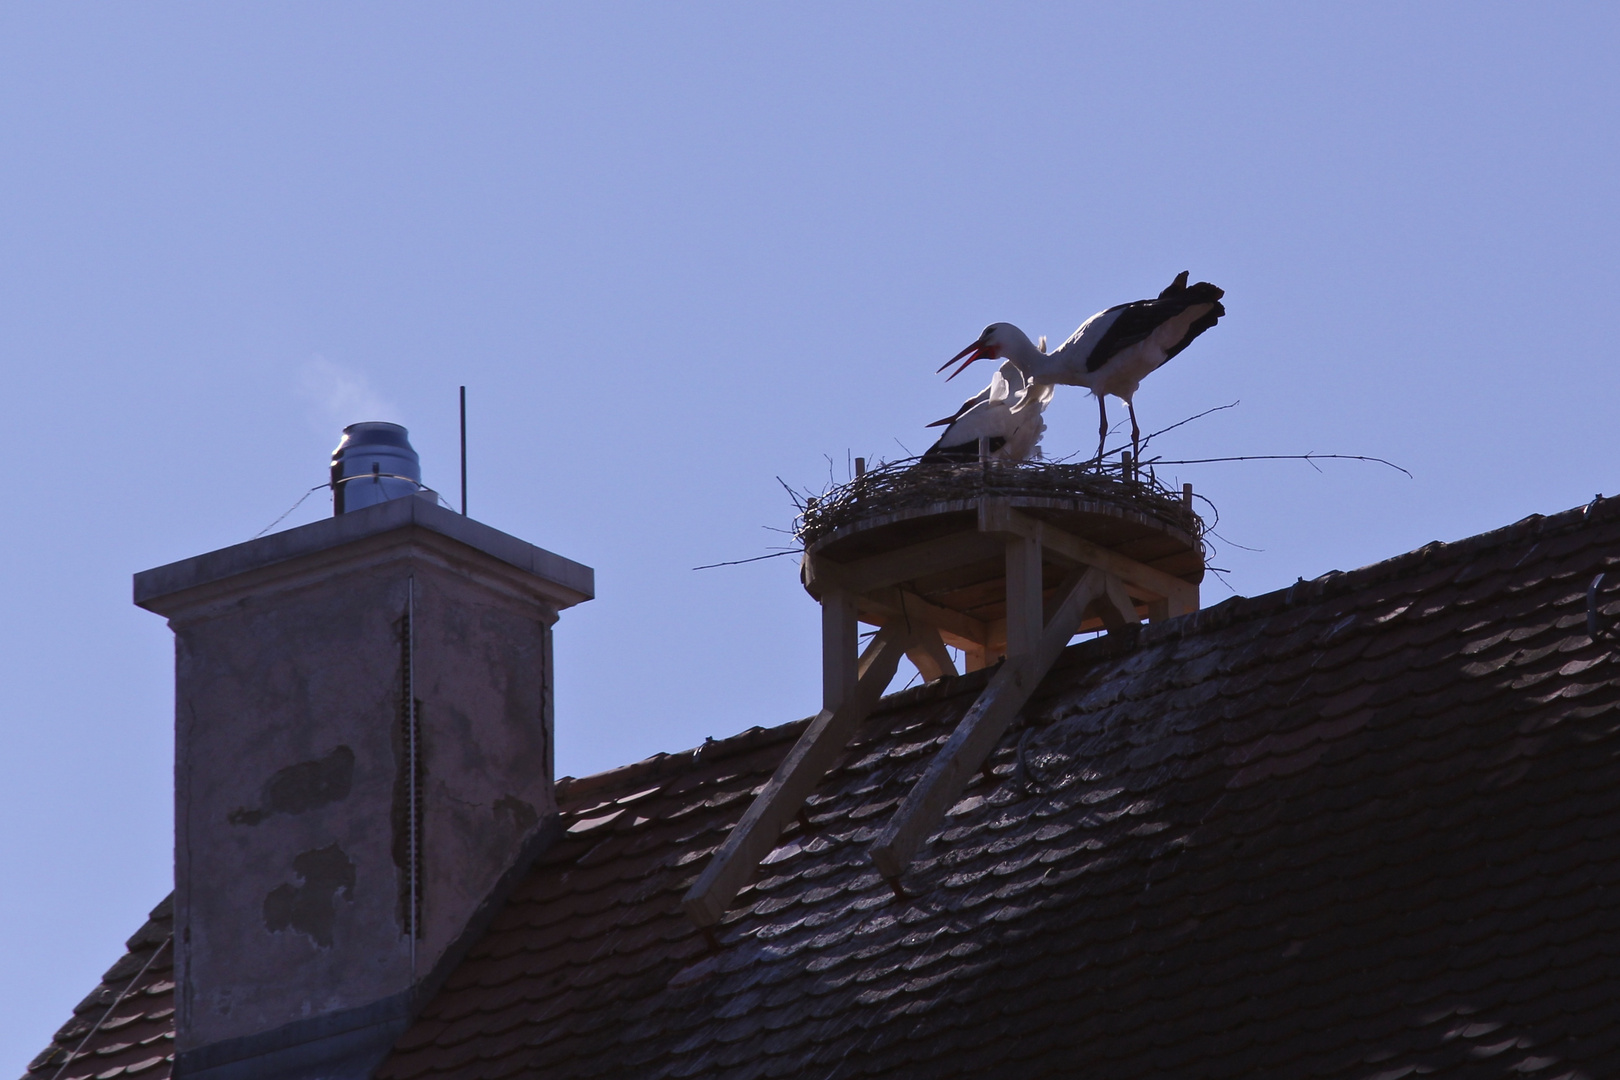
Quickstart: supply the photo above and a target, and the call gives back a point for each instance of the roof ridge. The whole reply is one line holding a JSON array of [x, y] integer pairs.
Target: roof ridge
[[1430, 556], [1227, 613]]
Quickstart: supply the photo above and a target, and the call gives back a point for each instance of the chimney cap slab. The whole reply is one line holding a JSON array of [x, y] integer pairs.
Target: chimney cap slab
[[562, 581]]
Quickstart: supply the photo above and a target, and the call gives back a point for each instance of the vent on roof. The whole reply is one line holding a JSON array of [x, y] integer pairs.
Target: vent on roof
[[373, 462]]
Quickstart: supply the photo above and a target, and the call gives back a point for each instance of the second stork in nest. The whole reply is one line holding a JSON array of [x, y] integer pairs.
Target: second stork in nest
[[1006, 414]]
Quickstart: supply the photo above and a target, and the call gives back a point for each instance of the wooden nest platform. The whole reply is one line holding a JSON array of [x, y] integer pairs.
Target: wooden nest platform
[[929, 543], [1005, 562], [903, 486]]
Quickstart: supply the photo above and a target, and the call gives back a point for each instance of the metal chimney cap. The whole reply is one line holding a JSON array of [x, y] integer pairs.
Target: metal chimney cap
[[375, 431], [374, 462]]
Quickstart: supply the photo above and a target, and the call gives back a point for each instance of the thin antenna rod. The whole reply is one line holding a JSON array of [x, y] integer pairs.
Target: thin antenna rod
[[463, 451]]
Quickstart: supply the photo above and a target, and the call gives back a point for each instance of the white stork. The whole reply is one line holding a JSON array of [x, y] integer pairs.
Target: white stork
[[1007, 413], [1112, 352]]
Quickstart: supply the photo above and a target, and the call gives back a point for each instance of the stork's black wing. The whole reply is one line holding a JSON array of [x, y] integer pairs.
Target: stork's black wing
[[1140, 318], [961, 452], [1207, 320]]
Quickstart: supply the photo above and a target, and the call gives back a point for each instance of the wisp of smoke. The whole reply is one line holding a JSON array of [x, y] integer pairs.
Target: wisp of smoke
[[341, 395]]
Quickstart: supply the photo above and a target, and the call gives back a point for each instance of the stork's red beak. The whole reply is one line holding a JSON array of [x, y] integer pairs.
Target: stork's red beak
[[973, 352]]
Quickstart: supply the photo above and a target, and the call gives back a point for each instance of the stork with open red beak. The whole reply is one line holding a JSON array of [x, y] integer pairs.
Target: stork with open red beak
[[1112, 352]]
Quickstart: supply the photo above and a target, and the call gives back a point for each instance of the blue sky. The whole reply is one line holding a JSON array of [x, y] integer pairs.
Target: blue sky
[[678, 252]]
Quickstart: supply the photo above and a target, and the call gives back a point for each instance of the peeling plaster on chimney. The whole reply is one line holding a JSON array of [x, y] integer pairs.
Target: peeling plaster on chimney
[[304, 786]]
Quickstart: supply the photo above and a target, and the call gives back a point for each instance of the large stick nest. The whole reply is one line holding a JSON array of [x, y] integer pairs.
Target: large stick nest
[[904, 485]]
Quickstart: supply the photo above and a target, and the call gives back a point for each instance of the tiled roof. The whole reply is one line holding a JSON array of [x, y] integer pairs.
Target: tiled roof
[[126, 1026], [1364, 827]]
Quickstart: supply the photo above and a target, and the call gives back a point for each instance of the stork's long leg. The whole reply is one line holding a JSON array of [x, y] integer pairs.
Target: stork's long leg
[[1102, 427], [1136, 433]]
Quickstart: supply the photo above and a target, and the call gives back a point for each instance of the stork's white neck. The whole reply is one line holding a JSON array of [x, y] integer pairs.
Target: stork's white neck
[[1038, 367]]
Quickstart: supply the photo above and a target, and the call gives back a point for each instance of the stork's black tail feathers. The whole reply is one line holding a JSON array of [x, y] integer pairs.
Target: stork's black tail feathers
[[1201, 293]]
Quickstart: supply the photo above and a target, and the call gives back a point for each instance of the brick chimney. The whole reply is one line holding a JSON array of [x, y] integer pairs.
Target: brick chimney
[[363, 760]]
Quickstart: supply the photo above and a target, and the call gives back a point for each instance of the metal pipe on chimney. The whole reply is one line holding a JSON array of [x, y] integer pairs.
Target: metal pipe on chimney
[[378, 451]]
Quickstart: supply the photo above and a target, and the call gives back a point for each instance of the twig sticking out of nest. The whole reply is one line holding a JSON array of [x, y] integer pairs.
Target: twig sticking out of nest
[[900, 485]]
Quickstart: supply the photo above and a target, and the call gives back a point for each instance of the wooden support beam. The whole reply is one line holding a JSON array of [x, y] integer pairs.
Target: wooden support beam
[[753, 837], [998, 516], [840, 646], [1023, 594], [1115, 606], [908, 610], [967, 645], [872, 655], [904, 564], [881, 606], [927, 650], [885, 606], [970, 744]]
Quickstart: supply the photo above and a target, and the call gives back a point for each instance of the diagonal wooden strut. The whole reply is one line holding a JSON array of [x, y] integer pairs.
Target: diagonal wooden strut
[[761, 826], [989, 716], [997, 516], [927, 650]]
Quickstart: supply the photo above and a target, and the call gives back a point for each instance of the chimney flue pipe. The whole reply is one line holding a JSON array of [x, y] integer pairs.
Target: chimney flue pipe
[[374, 462]]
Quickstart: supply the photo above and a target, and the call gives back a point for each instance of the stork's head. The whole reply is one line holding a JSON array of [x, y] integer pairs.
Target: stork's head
[[998, 340]]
